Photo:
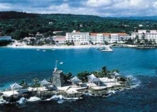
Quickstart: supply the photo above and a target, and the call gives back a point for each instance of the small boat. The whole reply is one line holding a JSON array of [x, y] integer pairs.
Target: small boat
[[61, 63], [106, 48]]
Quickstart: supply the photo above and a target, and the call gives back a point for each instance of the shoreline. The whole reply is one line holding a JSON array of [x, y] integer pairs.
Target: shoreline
[[56, 47], [74, 47]]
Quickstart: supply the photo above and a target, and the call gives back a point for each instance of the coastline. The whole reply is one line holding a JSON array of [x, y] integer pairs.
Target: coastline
[[57, 47], [77, 46]]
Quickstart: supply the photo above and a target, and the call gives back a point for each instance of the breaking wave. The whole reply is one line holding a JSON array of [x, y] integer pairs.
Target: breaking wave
[[134, 82]]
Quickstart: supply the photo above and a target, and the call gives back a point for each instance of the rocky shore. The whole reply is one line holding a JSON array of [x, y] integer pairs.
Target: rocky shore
[[104, 84], [136, 46], [51, 95]]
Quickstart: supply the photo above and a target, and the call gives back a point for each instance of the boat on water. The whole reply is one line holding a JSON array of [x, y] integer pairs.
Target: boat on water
[[105, 49]]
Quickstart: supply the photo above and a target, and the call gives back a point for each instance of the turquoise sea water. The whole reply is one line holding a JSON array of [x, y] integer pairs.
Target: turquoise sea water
[[18, 64]]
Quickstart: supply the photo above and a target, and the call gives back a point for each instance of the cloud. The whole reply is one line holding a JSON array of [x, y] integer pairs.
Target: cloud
[[98, 3], [4, 6], [92, 7], [123, 7]]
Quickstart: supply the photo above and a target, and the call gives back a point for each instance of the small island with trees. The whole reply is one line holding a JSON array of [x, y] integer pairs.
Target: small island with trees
[[63, 87]]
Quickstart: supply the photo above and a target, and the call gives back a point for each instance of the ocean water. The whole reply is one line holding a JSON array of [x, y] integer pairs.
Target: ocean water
[[19, 64]]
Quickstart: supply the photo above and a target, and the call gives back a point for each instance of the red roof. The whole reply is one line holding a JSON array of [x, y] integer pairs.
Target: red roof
[[107, 34], [93, 34], [59, 38]]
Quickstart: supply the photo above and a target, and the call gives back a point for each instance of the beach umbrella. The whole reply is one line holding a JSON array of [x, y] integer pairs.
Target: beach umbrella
[[75, 80], [92, 78], [45, 82], [15, 86]]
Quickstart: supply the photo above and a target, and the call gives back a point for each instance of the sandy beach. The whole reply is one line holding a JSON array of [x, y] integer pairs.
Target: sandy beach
[[56, 47]]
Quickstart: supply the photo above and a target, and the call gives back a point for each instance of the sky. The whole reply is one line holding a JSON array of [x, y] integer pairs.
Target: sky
[[103, 8]]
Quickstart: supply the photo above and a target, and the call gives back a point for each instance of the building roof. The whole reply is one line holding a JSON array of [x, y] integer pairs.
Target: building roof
[[93, 78], [5, 36], [75, 80], [57, 32], [107, 34], [15, 86], [45, 82], [93, 34], [74, 31], [142, 31], [122, 34], [59, 38], [153, 31]]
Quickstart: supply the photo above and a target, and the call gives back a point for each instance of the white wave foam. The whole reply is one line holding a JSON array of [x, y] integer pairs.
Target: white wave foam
[[60, 101], [33, 99], [111, 92], [21, 101], [2, 101], [135, 82]]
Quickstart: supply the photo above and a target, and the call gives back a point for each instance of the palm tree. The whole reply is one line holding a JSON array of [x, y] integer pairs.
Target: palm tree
[[104, 70], [36, 82], [24, 84]]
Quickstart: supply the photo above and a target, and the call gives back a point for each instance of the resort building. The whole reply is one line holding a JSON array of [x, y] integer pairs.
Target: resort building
[[145, 34], [99, 38], [78, 37], [59, 39], [5, 38], [96, 38]]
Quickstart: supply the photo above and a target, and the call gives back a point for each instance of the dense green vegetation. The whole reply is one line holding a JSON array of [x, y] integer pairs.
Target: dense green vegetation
[[20, 25], [104, 72]]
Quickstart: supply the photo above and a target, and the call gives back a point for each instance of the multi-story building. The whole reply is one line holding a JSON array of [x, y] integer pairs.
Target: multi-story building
[[60, 39], [145, 34], [100, 38], [96, 38], [78, 37]]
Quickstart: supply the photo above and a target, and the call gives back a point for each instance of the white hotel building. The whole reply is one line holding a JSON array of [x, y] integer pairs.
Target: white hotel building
[[109, 37], [149, 35], [78, 37], [96, 38]]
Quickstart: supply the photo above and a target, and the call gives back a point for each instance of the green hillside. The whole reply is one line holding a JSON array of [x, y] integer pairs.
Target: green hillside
[[21, 24]]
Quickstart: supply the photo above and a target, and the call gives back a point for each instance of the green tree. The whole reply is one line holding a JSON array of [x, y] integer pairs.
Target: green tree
[[36, 82], [24, 84], [104, 71], [83, 76]]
